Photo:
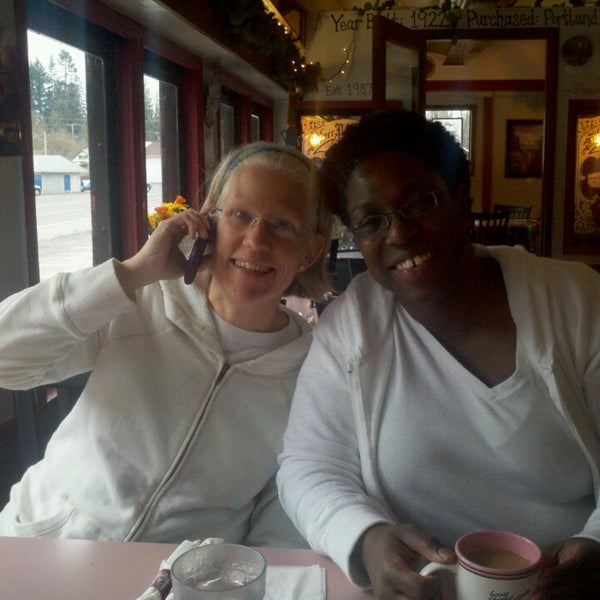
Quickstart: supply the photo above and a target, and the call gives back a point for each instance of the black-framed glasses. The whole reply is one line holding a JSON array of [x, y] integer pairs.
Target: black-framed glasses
[[414, 207], [240, 220]]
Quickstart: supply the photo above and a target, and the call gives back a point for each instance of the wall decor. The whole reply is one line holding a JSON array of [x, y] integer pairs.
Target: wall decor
[[576, 51], [582, 181], [524, 148]]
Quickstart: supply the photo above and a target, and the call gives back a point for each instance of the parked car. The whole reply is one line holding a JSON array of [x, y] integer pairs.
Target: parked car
[[85, 185], [38, 189]]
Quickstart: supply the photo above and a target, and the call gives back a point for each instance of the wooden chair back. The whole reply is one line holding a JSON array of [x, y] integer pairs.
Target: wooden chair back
[[515, 211], [490, 228]]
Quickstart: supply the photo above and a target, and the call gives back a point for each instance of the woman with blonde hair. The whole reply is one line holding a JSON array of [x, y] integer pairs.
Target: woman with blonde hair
[[177, 431]]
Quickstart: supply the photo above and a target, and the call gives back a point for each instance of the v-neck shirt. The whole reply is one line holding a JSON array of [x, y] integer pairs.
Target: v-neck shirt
[[455, 455]]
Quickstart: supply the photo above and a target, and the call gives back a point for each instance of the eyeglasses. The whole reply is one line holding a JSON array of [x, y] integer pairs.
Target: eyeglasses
[[414, 207], [240, 220]]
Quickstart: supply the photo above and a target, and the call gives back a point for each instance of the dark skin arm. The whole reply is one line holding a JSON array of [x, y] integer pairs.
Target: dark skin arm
[[392, 556], [570, 571]]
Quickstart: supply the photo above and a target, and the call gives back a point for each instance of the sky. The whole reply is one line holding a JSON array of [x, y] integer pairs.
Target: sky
[[43, 47]]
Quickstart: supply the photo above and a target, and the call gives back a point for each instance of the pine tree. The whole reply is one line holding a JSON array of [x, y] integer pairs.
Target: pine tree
[[58, 106]]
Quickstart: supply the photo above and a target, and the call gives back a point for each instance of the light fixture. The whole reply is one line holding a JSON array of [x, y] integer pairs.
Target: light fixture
[[315, 139]]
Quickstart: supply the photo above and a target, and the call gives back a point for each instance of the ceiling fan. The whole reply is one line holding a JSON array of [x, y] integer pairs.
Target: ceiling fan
[[454, 52]]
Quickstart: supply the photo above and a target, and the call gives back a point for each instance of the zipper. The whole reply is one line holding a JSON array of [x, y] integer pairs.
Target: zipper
[[158, 493]]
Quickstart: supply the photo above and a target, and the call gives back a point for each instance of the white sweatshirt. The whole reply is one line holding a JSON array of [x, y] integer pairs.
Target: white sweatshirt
[[329, 479], [167, 442]]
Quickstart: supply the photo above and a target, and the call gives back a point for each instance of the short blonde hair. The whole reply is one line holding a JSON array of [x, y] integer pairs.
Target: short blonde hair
[[314, 282]]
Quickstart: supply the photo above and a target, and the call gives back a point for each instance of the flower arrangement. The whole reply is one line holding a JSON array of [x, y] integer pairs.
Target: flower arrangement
[[166, 210]]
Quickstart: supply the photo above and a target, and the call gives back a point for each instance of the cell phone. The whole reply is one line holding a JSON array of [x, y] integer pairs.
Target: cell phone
[[196, 256]]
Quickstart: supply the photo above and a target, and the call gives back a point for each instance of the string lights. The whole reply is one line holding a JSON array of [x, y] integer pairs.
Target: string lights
[[282, 21], [345, 65]]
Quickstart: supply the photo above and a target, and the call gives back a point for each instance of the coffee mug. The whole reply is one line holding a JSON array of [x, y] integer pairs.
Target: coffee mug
[[219, 571], [490, 565]]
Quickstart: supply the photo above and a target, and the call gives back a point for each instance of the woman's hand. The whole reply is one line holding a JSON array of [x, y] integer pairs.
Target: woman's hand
[[392, 556], [160, 257], [570, 571]]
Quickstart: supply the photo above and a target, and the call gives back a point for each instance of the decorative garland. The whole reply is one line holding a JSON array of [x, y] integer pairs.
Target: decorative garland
[[374, 6], [246, 26]]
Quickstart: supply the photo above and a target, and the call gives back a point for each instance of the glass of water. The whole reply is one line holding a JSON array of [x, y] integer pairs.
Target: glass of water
[[219, 572]]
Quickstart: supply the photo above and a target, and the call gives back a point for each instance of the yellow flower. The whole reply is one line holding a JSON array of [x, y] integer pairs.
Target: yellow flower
[[166, 210]]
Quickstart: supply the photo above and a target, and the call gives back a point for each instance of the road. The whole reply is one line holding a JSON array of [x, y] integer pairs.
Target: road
[[64, 225], [60, 215]]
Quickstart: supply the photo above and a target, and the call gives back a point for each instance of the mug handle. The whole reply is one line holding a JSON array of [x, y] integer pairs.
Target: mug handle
[[447, 574]]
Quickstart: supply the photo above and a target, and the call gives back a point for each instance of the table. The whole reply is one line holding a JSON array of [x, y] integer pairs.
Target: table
[[525, 232], [58, 569]]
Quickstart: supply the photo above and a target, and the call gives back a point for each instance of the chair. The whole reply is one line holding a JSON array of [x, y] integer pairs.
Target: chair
[[490, 228], [515, 211], [522, 211], [38, 412]]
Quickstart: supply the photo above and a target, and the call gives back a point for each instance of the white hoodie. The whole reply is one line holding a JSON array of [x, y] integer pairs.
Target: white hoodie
[[167, 441]]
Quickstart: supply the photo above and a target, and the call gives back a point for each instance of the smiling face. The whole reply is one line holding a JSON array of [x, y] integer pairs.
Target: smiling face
[[420, 259], [252, 267]]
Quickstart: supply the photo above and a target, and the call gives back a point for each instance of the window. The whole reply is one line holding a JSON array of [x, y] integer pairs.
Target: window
[[74, 115], [172, 141], [458, 121], [111, 68], [61, 156], [227, 137], [255, 128], [243, 117]]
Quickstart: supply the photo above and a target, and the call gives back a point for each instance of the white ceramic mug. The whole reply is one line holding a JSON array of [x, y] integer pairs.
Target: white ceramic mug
[[490, 565]]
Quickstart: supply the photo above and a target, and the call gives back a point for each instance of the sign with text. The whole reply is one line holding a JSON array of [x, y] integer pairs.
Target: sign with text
[[342, 40]]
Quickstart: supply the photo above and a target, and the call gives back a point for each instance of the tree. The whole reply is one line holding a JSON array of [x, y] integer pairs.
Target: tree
[[152, 116], [58, 108], [40, 84]]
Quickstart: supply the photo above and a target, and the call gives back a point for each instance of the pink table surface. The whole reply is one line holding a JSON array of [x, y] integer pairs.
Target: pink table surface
[[51, 569]]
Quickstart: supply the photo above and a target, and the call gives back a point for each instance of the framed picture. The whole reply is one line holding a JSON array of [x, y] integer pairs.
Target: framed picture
[[524, 148], [582, 179]]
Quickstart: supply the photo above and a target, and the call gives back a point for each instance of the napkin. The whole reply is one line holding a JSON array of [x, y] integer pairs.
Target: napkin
[[283, 583], [296, 583]]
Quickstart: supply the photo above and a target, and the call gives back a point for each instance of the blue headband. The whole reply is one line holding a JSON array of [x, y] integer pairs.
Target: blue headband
[[257, 148], [267, 147]]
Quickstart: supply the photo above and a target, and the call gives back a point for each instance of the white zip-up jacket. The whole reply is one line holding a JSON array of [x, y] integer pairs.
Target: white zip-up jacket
[[328, 478], [167, 441]]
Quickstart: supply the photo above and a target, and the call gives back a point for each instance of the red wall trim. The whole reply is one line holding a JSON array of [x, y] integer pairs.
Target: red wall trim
[[193, 135], [486, 163], [134, 226], [493, 85]]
